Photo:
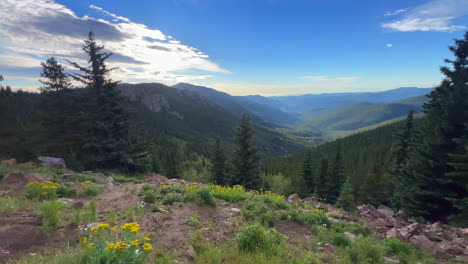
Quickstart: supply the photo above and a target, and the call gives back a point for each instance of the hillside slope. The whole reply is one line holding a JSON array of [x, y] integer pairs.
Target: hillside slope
[[187, 115]]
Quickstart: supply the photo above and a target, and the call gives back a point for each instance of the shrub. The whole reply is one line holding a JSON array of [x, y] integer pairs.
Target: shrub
[[253, 208], [76, 219], [357, 229], [268, 219], [171, 198], [49, 170], [202, 196], [227, 193], [119, 244], [91, 213], [407, 254], [313, 218], [8, 206], [194, 221], [111, 217], [340, 240], [91, 190], [42, 190], [364, 250], [147, 187], [125, 179], [51, 212], [66, 191], [149, 196], [256, 238]]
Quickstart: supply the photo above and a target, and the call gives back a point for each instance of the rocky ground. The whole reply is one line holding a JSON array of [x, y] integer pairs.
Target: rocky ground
[[173, 225]]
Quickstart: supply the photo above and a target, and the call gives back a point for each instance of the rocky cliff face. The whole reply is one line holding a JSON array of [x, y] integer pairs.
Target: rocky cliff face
[[151, 96]]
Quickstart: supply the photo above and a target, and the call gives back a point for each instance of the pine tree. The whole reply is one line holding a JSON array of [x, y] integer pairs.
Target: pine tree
[[336, 178], [322, 178], [171, 167], [56, 78], [155, 164], [403, 140], [218, 169], [245, 161], [54, 110], [346, 198], [308, 174], [108, 121], [429, 167]]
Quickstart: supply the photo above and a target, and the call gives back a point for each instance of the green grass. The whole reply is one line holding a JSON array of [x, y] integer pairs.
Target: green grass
[[8, 206], [91, 190], [51, 212]]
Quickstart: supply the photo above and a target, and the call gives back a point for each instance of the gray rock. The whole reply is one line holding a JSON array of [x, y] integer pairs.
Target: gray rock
[[293, 198], [386, 211], [58, 163]]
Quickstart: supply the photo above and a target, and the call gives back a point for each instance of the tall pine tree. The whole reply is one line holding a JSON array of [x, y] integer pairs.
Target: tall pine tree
[[436, 188], [245, 160], [107, 143], [346, 198], [403, 140], [322, 178], [336, 178], [218, 169], [309, 174]]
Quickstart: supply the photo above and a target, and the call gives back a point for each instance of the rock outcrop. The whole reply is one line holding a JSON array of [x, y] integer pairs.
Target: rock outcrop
[[57, 163]]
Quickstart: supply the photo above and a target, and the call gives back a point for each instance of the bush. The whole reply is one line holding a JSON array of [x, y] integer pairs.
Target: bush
[[202, 196], [49, 170], [91, 213], [313, 218], [364, 250], [227, 193], [253, 209], [66, 192], [268, 219], [51, 212], [42, 190], [171, 198], [91, 190], [8, 206], [340, 240], [407, 254], [125, 179], [256, 238], [111, 217], [194, 221], [149, 196], [147, 187]]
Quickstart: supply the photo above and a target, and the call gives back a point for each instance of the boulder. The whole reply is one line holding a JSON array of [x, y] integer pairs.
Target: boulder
[[351, 236], [100, 178], [154, 178], [368, 211], [422, 242], [312, 201], [293, 198], [9, 162], [57, 163], [410, 230], [385, 211], [14, 178]]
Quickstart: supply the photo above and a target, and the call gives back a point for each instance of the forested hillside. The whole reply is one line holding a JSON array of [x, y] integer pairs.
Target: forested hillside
[[366, 161]]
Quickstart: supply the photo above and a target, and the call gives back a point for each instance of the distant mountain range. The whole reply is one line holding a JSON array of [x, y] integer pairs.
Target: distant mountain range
[[283, 124]]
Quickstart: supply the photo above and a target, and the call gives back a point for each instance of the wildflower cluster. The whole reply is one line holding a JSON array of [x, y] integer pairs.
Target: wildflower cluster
[[229, 193], [118, 244], [271, 198], [42, 190]]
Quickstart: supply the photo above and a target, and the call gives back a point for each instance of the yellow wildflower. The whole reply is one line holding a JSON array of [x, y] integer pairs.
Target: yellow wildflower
[[147, 247], [134, 242], [147, 239]]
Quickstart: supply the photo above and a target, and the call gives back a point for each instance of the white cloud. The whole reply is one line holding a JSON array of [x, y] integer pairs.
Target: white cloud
[[436, 15], [396, 12], [326, 79], [389, 45], [32, 30]]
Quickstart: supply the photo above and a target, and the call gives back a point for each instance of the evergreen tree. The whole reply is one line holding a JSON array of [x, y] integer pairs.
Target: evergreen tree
[[155, 165], [429, 166], [322, 178], [107, 142], [54, 110], [403, 140], [218, 169], [336, 178], [245, 161], [308, 174], [346, 198], [55, 77], [171, 167]]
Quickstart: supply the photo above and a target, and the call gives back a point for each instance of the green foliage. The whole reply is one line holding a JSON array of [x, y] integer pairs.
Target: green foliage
[[194, 221], [8, 206], [309, 174], [149, 196], [77, 217], [171, 198], [91, 190], [218, 169], [111, 217], [278, 183], [346, 198], [91, 213], [66, 191], [125, 179], [336, 178], [313, 218], [42, 190], [341, 240], [51, 212], [438, 184], [49, 170], [256, 238], [202, 196], [245, 160], [227, 193], [406, 253], [364, 250]]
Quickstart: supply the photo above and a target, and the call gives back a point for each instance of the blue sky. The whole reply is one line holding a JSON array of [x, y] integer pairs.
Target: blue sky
[[268, 47]]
